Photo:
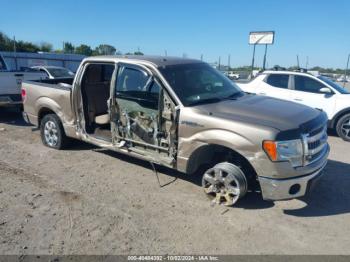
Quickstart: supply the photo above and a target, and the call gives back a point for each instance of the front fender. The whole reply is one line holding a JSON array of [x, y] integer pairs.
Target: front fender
[[237, 142]]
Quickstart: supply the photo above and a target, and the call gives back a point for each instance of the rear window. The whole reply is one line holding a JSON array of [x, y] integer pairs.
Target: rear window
[[280, 81]]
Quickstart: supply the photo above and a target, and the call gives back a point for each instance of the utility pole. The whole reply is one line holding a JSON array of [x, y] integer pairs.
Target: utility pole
[[219, 62], [229, 63], [298, 62], [253, 60], [264, 63], [201, 57], [346, 70], [307, 62]]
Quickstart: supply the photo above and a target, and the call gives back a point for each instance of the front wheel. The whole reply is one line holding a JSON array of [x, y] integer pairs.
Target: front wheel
[[52, 132], [225, 183], [343, 127]]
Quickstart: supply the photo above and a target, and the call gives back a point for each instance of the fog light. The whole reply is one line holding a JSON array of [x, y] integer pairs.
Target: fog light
[[294, 189]]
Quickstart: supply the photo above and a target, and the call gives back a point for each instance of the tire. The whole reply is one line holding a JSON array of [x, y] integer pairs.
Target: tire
[[343, 127], [52, 132], [225, 183]]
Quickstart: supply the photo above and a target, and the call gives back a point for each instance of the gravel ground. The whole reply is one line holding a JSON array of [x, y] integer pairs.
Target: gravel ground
[[86, 200]]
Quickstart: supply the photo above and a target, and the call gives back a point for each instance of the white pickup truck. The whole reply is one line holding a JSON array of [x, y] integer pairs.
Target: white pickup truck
[[10, 84], [315, 91]]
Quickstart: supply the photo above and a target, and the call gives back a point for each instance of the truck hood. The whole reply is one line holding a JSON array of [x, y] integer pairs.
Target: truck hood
[[261, 110]]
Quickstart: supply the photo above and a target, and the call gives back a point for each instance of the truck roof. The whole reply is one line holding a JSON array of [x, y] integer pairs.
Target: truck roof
[[158, 61]]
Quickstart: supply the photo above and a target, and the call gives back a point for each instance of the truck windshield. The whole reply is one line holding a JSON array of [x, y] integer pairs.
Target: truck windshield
[[60, 72], [337, 87], [199, 83]]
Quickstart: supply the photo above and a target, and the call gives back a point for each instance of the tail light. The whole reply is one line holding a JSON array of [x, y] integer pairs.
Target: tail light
[[23, 94]]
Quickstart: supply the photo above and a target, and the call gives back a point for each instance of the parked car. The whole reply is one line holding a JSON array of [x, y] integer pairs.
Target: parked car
[[315, 91], [184, 114], [10, 84], [343, 79], [54, 72], [233, 76]]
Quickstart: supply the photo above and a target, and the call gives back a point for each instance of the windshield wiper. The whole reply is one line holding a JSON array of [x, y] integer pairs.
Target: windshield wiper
[[206, 101]]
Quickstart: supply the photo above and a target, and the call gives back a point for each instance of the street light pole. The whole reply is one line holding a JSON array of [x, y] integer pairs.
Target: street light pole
[[253, 60], [229, 63], [264, 64]]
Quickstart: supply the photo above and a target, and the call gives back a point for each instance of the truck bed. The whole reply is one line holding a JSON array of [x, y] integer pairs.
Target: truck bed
[[57, 81], [53, 94]]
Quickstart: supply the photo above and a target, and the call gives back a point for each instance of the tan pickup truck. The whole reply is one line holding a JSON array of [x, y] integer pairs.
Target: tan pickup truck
[[184, 114]]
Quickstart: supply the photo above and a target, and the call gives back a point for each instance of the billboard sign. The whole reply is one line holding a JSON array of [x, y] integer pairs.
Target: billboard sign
[[261, 38]]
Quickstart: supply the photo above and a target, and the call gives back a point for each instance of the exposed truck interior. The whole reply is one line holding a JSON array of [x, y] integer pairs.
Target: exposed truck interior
[[143, 115], [95, 89], [146, 115]]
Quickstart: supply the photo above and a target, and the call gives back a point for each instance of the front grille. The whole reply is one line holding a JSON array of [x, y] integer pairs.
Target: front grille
[[315, 145], [316, 131]]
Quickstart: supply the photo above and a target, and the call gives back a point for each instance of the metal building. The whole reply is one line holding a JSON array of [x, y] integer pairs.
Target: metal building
[[20, 60]]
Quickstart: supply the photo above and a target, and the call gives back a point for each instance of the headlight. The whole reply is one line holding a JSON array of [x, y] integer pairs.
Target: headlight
[[290, 150]]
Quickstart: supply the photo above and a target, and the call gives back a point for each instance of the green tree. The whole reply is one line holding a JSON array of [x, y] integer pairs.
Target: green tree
[[45, 47], [68, 48], [83, 50], [105, 49], [22, 46], [138, 53], [6, 44]]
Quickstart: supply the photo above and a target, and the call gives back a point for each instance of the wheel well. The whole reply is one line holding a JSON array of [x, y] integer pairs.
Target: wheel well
[[43, 112], [208, 155], [337, 117]]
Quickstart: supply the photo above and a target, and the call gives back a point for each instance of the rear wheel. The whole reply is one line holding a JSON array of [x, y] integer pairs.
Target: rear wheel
[[343, 127], [225, 183], [52, 132]]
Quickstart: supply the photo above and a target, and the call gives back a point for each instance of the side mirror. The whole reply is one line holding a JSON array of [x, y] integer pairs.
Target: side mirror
[[326, 90]]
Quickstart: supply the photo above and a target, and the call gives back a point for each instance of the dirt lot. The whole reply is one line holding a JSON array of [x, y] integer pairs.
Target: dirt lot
[[91, 201]]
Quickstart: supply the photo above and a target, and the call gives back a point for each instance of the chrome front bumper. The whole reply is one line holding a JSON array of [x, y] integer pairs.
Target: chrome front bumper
[[281, 189]]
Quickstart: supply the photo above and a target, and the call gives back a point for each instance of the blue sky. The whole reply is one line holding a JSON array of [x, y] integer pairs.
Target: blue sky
[[317, 29]]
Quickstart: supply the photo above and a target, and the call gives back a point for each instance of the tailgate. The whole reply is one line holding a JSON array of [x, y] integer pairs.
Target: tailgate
[[10, 82]]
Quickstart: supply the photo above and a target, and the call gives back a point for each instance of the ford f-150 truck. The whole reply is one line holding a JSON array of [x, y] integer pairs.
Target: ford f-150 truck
[[10, 84], [184, 114]]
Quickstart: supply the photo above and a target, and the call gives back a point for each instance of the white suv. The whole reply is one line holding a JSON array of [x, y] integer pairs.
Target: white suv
[[314, 91]]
